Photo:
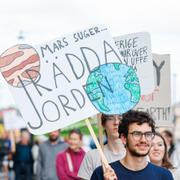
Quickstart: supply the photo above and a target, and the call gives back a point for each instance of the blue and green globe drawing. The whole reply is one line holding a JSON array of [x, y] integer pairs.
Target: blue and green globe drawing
[[113, 88]]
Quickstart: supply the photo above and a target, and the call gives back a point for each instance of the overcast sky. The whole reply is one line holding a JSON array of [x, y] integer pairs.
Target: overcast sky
[[43, 20]]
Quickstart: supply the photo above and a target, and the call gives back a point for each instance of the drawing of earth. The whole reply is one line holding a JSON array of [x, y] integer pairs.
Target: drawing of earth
[[20, 65], [113, 88]]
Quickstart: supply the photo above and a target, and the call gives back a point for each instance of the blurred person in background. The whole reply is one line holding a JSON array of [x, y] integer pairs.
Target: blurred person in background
[[113, 150], [173, 152], [158, 155], [35, 151], [46, 169], [5, 148], [68, 162], [22, 157]]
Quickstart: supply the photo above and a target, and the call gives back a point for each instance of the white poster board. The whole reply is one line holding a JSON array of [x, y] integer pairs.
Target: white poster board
[[47, 80], [158, 103], [136, 51], [13, 120]]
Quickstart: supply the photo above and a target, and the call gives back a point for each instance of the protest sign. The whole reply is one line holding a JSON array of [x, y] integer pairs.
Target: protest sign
[[13, 120], [49, 81], [136, 51], [158, 103]]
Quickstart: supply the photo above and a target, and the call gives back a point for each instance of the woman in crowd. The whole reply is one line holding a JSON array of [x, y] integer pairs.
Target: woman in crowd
[[173, 154], [68, 162], [158, 155]]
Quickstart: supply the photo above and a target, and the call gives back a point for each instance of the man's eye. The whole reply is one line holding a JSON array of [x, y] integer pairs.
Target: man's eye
[[137, 133], [148, 134]]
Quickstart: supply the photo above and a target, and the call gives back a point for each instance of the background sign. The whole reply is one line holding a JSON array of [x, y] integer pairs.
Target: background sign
[[158, 103], [136, 51]]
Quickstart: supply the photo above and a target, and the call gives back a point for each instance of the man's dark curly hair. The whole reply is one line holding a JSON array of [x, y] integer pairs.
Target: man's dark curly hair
[[134, 116]]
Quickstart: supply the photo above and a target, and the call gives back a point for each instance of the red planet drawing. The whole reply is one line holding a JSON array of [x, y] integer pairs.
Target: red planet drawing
[[20, 64]]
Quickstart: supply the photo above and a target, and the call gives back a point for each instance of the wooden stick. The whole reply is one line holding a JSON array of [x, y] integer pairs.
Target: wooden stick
[[100, 131], [104, 160]]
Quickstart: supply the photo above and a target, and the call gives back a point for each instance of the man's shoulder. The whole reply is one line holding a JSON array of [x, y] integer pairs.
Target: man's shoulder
[[62, 146], [44, 144], [98, 170], [60, 142], [164, 172], [94, 152], [90, 161], [155, 167], [48, 143], [113, 165]]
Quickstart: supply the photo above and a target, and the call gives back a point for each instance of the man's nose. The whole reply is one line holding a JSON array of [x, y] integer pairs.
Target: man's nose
[[116, 121], [143, 138]]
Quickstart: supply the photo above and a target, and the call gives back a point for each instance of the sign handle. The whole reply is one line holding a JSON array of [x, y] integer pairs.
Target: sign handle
[[103, 158], [100, 131]]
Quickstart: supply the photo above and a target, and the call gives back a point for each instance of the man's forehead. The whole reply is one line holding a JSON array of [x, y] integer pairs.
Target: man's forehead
[[142, 127]]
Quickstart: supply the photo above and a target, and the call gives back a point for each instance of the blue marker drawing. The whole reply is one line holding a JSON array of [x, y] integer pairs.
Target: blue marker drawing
[[113, 88]]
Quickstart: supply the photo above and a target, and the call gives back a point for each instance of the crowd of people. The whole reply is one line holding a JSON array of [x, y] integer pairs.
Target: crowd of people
[[134, 150]]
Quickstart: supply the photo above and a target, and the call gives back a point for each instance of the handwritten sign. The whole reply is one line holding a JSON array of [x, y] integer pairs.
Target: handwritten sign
[[136, 51], [48, 81], [158, 103]]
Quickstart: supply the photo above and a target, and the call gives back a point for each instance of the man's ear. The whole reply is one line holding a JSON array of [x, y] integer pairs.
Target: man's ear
[[123, 139]]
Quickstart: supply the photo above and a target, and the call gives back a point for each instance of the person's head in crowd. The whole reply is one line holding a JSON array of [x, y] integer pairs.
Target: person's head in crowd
[[2, 134], [6, 134], [137, 131], [158, 152], [25, 137], [168, 136], [111, 124], [54, 136], [75, 140]]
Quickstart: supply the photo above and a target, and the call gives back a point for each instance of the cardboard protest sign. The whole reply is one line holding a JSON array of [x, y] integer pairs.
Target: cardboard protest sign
[[13, 120], [136, 51], [52, 82], [158, 103]]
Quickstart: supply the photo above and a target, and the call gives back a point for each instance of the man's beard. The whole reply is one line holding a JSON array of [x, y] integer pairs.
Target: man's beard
[[135, 153], [53, 138]]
